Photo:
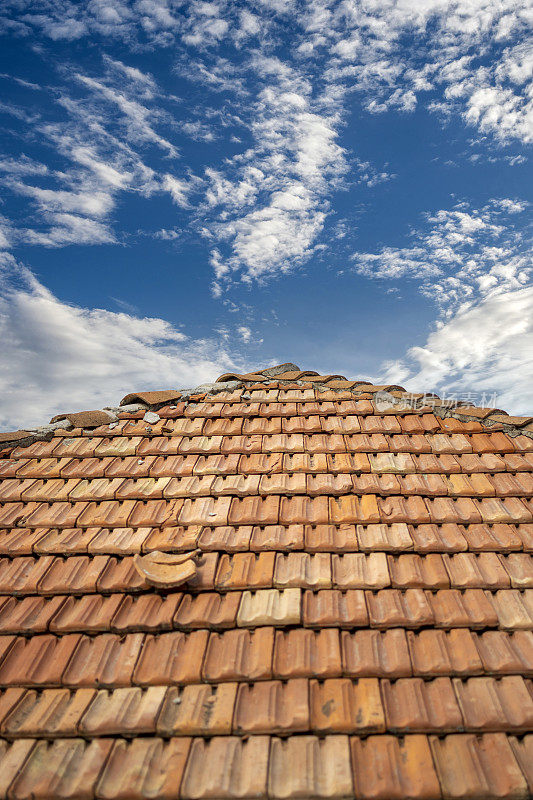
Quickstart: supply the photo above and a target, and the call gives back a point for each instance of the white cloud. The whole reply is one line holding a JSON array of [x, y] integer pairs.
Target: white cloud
[[93, 204], [472, 57], [245, 333], [167, 235], [57, 357], [486, 349], [459, 254], [136, 115], [475, 264], [273, 196], [178, 189], [66, 229], [23, 165]]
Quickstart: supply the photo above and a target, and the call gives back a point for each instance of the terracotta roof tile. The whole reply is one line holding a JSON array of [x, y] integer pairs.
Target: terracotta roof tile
[[127, 710], [471, 608], [274, 707], [276, 537], [208, 610], [330, 538], [468, 765], [360, 571], [239, 655], [303, 570], [245, 570], [28, 615], [89, 614], [333, 608], [346, 706], [270, 607], [514, 609], [389, 767], [301, 509], [205, 511], [360, 621], [410, 571], [38, 661], [104, 660], [439, 538], [369, 653], [21, 576], [226, 538], [390, 608], [384, 538], [65, 541], [506, 653], [413, 705], [238, 768], [523, 752], [436, 652], [145, 766], [12, 757], [305, 653], [488, 704], [147, 612], [52, 712], [74, 575], [117, 541], [197, 710], [306, 766], [170, 658], [151, 398], [63, 768]]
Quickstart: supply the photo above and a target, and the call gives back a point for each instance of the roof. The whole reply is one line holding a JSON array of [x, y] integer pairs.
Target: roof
[[280, 585]]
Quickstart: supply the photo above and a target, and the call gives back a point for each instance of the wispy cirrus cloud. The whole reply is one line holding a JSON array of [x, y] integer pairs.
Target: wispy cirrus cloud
[[460, 254], [273, 197]]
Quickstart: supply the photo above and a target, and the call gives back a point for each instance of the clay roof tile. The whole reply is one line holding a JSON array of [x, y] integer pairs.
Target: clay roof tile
[[306, 587]]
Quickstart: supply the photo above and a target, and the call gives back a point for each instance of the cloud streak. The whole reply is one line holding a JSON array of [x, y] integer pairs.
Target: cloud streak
[[60, 357]]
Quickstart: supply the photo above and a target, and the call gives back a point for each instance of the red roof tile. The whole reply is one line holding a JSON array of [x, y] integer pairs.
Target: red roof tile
[[360, 621]]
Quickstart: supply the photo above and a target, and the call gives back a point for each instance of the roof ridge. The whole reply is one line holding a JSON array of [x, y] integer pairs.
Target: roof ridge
[[387, 398]]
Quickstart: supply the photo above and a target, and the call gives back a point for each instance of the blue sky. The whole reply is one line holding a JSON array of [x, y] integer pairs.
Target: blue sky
[[189, 187]]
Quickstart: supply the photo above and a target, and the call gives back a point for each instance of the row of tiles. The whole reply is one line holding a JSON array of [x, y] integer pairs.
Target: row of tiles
[[110, 660], [169, 466], [274, 408], [395, 538], [298, 402], [239, 485], [437, 443], [353, 608], [271, 510], [492, 766], [50, 575], [335, 705], [249, 425]]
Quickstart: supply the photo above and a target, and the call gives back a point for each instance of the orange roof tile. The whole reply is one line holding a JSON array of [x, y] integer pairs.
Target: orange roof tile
[[358, 621]]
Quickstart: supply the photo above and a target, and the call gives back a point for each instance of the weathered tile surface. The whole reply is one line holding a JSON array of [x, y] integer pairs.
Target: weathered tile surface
[[360, 624]]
